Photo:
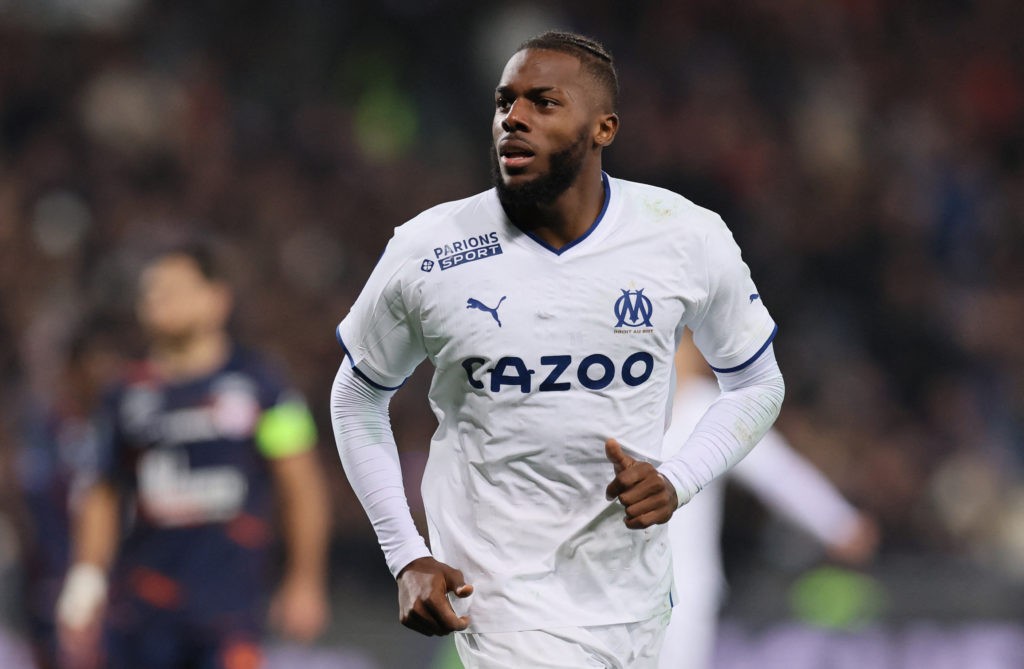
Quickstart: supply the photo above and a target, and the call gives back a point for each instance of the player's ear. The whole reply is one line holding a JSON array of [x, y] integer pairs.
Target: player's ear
[[607, 126]]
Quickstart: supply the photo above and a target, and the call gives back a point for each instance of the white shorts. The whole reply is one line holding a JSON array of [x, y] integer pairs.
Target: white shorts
[[622, 646]]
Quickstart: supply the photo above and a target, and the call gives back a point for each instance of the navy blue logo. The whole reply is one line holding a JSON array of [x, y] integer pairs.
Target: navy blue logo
[[633, 309], [427, 265], [467, 250], [556, 372], [754, 296], [473, 303]]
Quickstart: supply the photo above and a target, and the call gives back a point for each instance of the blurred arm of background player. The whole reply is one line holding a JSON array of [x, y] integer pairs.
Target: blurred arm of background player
[[788, 484], [300, 608], [781, 478], [80, 607]]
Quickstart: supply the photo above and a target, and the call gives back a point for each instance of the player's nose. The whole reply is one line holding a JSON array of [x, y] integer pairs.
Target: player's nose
[[515, 119]]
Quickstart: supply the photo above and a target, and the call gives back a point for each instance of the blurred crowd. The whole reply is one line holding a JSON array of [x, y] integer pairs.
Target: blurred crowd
[[867, 154]]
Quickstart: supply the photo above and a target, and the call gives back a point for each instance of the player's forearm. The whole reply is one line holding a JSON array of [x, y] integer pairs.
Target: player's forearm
[[94, 543], [304, 511], [366, 444], [733, 424], [97, 527]]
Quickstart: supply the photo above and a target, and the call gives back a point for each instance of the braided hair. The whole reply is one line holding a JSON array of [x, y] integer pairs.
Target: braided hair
[[594, 57]]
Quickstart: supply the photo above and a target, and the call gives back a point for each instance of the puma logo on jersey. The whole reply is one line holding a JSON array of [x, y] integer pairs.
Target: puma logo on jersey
[[473, 303], [754, 296]]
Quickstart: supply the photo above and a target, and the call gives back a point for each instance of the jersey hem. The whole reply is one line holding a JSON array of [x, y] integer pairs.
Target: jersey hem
[[499, 623]]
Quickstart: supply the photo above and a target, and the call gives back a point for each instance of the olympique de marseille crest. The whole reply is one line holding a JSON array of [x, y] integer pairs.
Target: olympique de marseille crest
[[633, 310]]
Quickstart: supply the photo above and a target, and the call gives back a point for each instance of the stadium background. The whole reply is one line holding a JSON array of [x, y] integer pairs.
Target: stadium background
[[868, 155]]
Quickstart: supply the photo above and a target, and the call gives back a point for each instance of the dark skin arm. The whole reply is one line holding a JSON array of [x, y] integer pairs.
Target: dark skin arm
[[423, 606], [649, 499]]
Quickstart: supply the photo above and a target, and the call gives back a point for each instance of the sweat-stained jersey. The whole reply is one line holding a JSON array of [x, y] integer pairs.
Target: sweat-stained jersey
[[541, 355]]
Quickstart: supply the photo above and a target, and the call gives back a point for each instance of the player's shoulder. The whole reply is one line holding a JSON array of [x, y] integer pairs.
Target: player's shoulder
[[244, 358], [658, 205], [264, 375], [454, 214], [134, 374], [250, 362], [444, 224], [426, 239]]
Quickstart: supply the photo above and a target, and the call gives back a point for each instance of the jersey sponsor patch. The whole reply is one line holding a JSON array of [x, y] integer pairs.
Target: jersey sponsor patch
[[172, 493], [230, 410], [461, 251], [556, 373]]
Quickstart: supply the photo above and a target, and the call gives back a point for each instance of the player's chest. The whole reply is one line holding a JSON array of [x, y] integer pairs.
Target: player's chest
[[519, 302], [216, 414]]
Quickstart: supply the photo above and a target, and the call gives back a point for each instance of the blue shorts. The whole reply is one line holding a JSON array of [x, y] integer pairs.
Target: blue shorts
[[139, 635]]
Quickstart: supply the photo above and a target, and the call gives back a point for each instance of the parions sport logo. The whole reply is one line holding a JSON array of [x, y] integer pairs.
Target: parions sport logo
[[633, 311], [462, 251]]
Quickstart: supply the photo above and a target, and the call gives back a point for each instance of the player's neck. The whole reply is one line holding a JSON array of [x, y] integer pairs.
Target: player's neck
[[567, 218], [191, 357]]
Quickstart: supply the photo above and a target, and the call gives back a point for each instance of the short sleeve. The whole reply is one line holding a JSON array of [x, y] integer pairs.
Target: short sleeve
[[733, 327], [112, 461], [286, 429], [382, 338]]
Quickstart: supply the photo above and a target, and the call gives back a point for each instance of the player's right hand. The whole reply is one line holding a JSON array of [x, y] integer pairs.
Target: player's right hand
[[423, 587]]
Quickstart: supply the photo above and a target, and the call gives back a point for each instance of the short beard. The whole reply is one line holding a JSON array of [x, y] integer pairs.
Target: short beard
[[565, 167]]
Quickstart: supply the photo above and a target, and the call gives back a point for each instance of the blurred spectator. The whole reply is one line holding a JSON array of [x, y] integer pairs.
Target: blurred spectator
[[56, 462]]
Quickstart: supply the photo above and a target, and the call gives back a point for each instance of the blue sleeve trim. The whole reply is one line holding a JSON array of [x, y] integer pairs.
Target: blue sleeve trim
[[359, 373], [764, 347]]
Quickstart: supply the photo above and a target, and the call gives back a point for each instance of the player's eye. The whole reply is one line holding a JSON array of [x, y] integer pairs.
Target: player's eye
[[501, 103]]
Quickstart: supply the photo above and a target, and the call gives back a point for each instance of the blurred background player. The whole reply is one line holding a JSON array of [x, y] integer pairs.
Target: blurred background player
[[199, 438], [779, 477], [56, 462]]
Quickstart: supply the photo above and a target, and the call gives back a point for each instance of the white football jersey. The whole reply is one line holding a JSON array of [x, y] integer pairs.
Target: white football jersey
[[540, 355]]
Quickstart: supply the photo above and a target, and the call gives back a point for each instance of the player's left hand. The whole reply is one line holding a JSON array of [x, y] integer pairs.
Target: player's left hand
[[647, 495], [299, 609]]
